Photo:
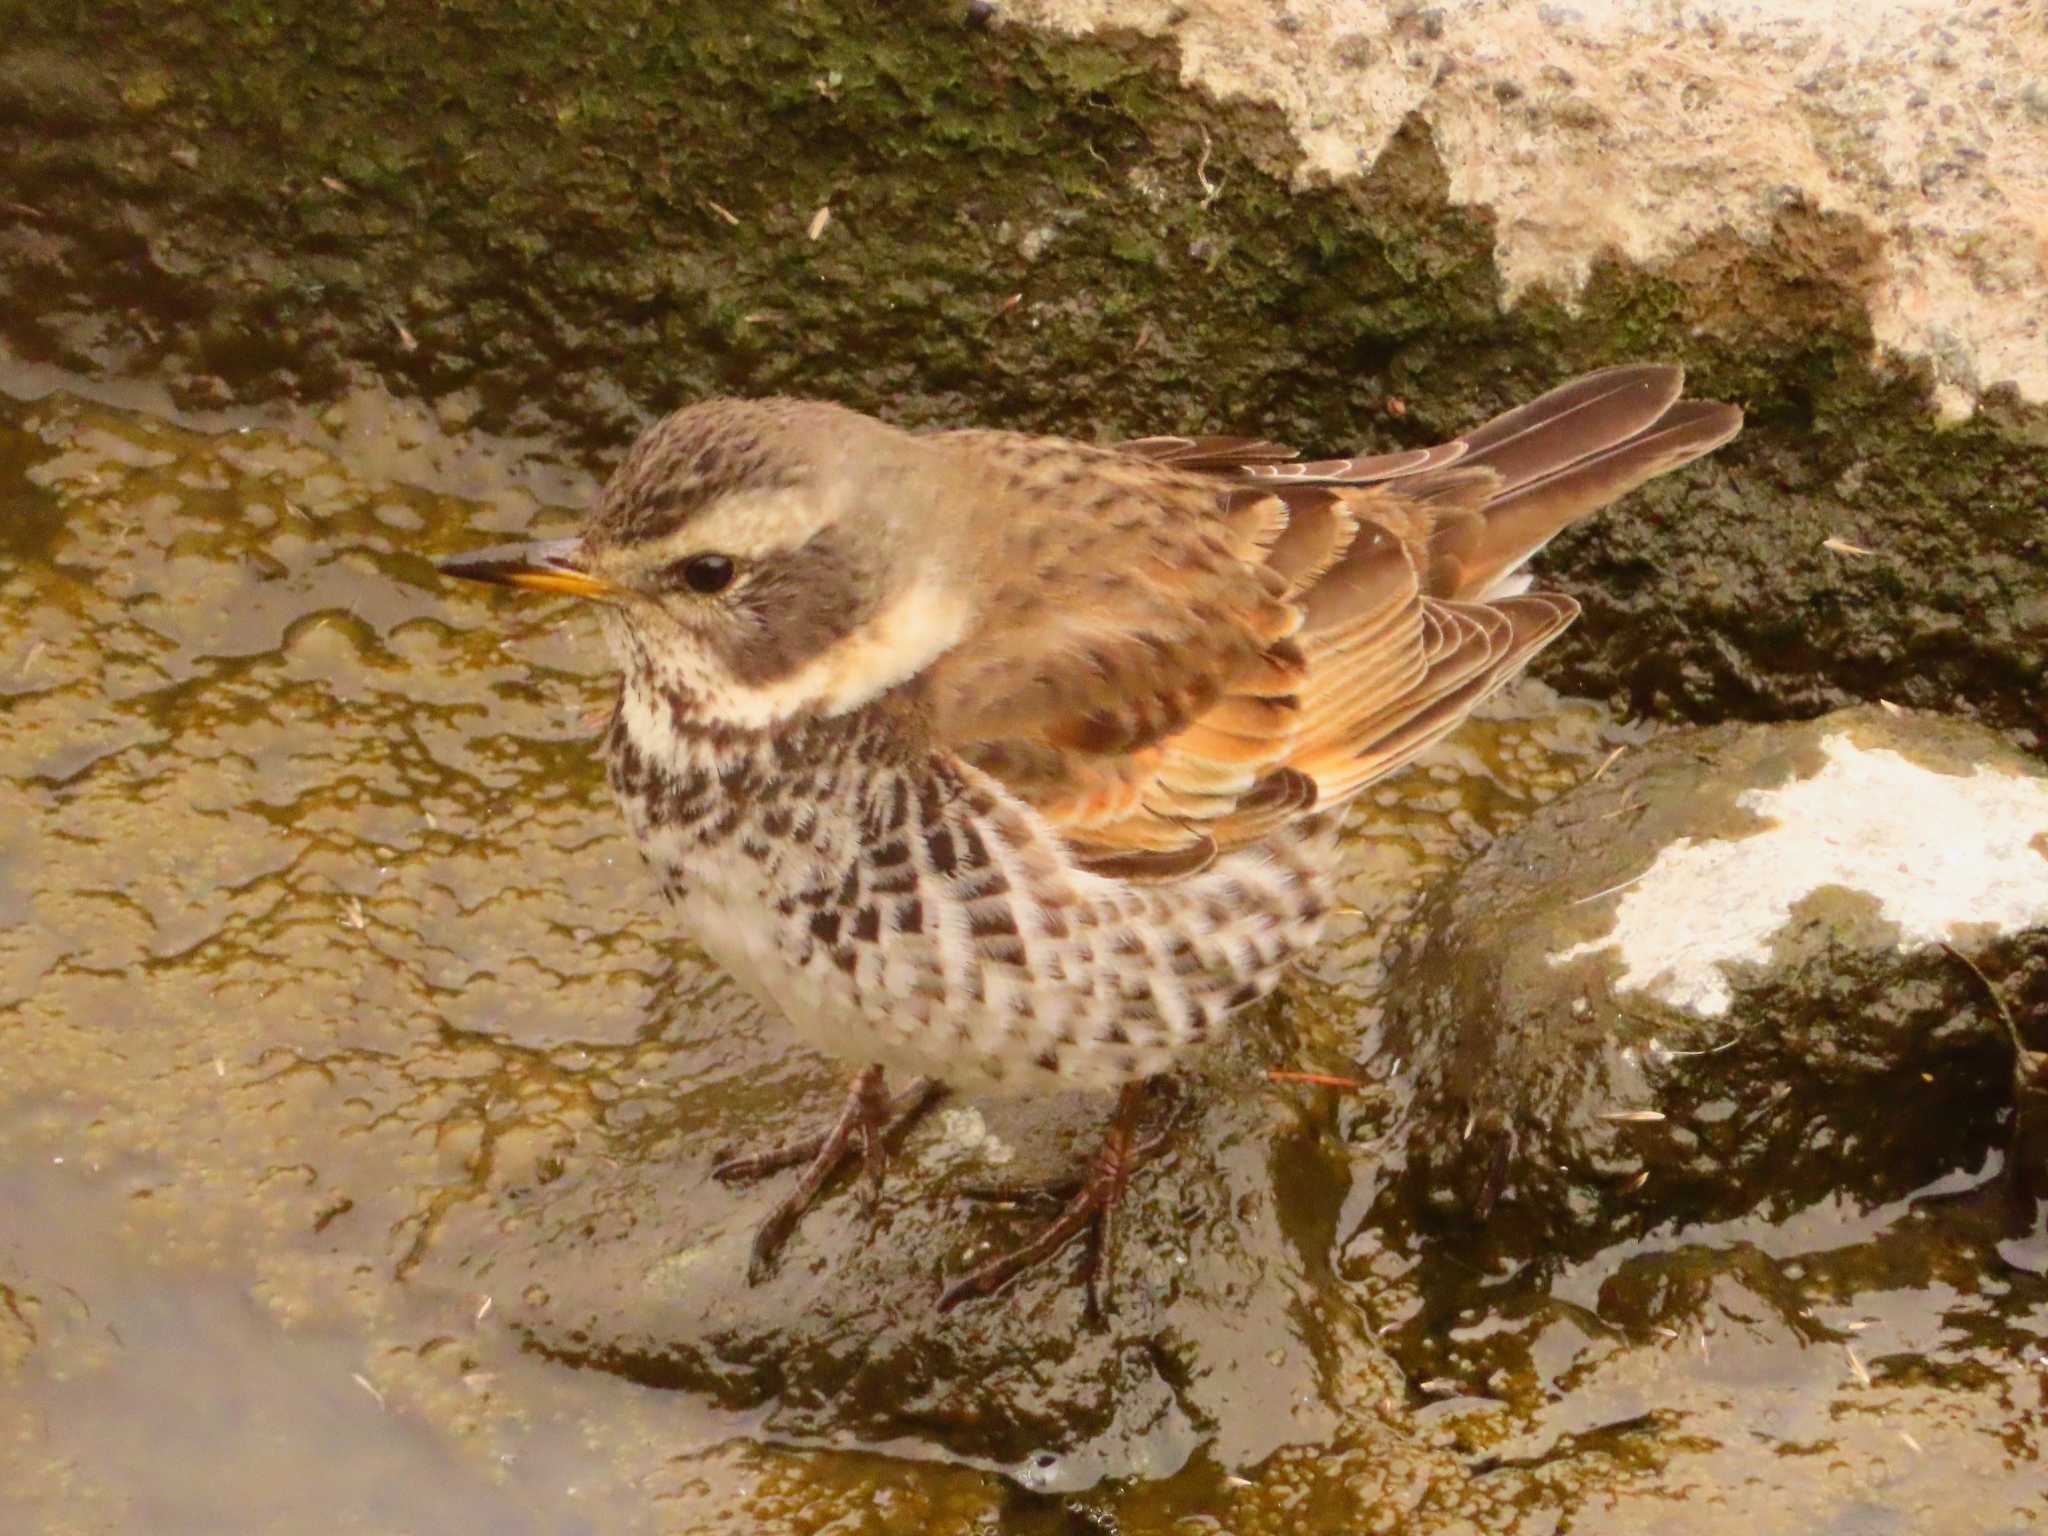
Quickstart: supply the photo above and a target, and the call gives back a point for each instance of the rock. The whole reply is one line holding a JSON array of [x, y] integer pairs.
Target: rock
[[1533, 102], [1381, 211], [1224, 1332], [1716, 976]]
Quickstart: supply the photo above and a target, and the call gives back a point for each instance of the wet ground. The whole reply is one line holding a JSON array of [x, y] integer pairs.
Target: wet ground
[[321, 951]]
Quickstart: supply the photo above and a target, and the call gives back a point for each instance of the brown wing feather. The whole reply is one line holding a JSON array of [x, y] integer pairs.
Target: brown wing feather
[[1241, 637], [1206, 452], [1168, 614]]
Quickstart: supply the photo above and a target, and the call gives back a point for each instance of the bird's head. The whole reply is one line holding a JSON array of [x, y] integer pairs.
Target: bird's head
[[769, 559]]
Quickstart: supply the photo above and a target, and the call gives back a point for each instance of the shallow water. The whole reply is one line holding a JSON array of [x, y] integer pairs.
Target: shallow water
[[321, 946]]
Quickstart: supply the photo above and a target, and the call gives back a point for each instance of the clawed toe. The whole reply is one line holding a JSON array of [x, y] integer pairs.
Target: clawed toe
[[1090, 1211], [754, 1165], [870, 1121]]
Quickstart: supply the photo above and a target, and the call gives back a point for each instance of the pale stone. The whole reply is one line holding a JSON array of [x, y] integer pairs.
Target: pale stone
[[1616, 126], [1941, 853]]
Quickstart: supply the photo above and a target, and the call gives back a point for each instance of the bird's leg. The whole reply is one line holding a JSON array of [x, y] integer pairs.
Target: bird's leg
[[871, 1117], [1090, 1209]]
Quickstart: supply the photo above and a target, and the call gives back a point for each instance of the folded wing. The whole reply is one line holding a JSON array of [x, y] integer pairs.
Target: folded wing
[[1208, 638]]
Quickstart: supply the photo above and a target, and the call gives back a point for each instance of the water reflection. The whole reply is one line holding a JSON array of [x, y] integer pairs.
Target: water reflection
[[319, 941]]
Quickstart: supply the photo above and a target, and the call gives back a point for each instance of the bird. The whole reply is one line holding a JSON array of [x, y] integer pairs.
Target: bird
[[1008, 763]]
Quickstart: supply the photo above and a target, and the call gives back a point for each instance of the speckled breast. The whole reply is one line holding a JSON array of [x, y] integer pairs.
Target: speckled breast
[[903, 908]]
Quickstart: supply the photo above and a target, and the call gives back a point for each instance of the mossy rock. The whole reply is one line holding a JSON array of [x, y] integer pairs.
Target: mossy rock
[[1713, 981], [580, 218]]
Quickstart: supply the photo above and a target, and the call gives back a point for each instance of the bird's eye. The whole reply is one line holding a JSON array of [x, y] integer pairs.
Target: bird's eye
[[706, 574]]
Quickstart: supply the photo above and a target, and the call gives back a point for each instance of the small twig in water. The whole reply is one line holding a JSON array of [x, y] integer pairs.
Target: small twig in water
[[2012, 1027], [1856, 1365], [1610, 890], [1318, 1080], [1211, 190]]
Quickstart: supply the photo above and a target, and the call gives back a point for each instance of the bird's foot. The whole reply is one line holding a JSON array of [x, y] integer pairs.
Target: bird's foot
[[1090, 1210], [870, 1121]]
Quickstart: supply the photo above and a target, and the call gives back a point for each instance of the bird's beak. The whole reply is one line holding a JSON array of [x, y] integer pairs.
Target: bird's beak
[[556, 565]]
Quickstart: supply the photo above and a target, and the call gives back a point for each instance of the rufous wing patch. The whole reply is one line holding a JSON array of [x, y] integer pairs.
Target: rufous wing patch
[[1215, 638]]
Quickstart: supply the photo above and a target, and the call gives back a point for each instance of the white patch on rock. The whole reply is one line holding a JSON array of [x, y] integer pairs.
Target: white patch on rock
[[1939, 852], [1611, 125], [964, 1133]]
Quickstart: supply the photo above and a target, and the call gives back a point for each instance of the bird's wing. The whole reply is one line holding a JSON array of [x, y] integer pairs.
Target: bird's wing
[[1200, 638]]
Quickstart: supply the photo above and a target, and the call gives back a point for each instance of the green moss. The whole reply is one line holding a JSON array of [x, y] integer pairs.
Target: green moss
[[588, 215], [146, 90]]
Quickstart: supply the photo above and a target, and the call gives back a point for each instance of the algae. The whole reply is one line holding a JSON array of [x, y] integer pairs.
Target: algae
[[578, 219]]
